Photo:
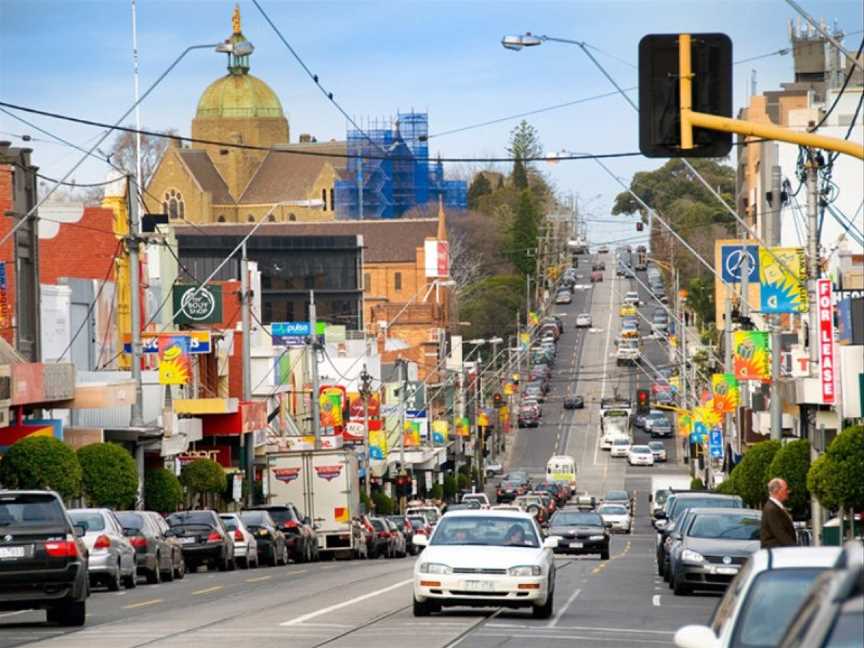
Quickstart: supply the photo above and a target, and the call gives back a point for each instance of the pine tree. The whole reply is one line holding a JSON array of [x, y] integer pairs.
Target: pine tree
[[519, 176], [479, 187], [523, 232]]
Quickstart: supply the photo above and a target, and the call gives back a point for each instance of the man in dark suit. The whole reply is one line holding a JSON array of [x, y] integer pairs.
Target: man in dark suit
[[777, 527]]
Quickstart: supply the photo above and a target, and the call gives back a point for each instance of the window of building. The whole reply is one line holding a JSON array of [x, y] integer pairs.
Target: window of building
[[250, 218], [271, 218], [397, 281], [220, 219], [292, 217], [324, 199], [367, 281], [173, 204], [332, 201]]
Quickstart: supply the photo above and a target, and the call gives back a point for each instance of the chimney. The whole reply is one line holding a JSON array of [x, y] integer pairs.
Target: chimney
[[306, 138]]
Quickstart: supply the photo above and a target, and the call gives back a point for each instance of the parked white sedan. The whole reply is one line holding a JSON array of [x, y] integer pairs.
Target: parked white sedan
[[488, 558], [640, 455]]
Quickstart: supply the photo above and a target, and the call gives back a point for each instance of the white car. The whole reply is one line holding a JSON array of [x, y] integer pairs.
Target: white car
[[485, 559], [620, 447], [583, 320], [476, 497], [431, 513], [658, 449], [640, 455], [245, 544], [762, 599], [632, 297], [616, 517], [563, 298]]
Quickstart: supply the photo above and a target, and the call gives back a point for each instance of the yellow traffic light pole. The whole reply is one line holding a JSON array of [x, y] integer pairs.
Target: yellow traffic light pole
[[690, 119]]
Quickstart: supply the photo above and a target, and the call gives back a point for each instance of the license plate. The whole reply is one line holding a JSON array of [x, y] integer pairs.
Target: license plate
[[186, 540], [479, 586], [726, 570], [11, 552], [575, 545]]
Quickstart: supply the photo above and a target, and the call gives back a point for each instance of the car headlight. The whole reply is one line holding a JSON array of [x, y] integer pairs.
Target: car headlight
[[596, 537], [525, 570], [692, 557], [434, 568]]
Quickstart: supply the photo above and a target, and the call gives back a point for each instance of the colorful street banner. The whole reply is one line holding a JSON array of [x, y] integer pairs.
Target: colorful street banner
[[685, 422], [533, 318], [377, 444], [462, 427], [175, 365], [783, 289], [706, 415], [699, 433], [751, 359], [331, 402], [726, 392], [439, 432], [200, 342], [411, 434], [482, 419]]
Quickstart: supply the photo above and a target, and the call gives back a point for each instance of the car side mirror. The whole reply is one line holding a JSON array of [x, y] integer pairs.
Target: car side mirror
[[550, 542], [420, 540], [696, 636], [660, 515], [80, 530], [660, 525]]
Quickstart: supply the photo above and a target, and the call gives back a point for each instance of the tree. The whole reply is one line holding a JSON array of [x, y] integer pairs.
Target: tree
[[450, 487], [727, 487], [42, 463], [696, 484], [162, 491], [203, 477], [122, 152], [383, 503], [700, 297], [480, 186], [837, 481], [485, 303], [819, 481], [749, 475], [520, 175], [523, 233], [791, 463], [524, 142], [109, 475]]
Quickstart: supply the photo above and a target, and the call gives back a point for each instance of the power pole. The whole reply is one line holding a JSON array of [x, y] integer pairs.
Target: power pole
[[366, 394], [773, 239], [403, 393], [727, 336], [136, 419], [246, 319], [481, 430], [316, 381]]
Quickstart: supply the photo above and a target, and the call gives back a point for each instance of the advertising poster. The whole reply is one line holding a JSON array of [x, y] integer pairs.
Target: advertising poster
[[377, 444], [462, 428], [331, 401], [175, 364], [751, 359], [783, 289], [724, 387], [439, 432], [411, 434]]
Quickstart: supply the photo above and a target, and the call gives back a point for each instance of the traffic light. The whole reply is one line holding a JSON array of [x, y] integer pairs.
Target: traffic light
[[497, 400], [640, 226], [660, 94], [643, 400]]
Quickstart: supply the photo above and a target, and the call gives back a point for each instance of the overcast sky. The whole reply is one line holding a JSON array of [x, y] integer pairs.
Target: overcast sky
[[74, 57]]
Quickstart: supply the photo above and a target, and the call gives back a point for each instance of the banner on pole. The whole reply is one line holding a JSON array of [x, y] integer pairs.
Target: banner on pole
[[751, 359], [724, 387], [783, 289]]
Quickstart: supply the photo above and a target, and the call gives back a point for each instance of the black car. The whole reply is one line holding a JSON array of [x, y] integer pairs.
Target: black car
[[383, 543], [204, 539], [268, 537], [580, 532], [299, 536], [574, 402], [157, 556], [43, 561]]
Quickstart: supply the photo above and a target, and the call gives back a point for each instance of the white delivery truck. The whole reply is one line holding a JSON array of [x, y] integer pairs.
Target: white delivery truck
[[615, 424], [325, 484], [662, 486]]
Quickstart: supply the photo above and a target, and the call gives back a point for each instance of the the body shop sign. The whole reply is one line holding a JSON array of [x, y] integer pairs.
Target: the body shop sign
[[826, 339]]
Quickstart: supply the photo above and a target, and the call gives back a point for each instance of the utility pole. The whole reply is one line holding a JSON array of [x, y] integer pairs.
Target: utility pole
[[727, 336], [403, 393], [246, 319], [366, 394], [457, 397], [136, 419], [481, 430], [316, 381], [773, 239]]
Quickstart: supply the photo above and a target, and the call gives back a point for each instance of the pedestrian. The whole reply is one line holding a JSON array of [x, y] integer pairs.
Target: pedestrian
[[777, 527]]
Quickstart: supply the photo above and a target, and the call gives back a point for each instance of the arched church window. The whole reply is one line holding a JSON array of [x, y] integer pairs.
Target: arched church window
[[271, 218], [173, 204], [292, 217], [221, 219]]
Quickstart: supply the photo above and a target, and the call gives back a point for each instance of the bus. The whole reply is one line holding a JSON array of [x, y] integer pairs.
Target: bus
[[562, 469]]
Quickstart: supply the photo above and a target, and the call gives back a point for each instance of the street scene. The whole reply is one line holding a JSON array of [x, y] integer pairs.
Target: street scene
[[314, 332]]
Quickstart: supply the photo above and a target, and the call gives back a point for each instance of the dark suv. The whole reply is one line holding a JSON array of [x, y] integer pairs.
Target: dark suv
[[204, 539], [43, 562]]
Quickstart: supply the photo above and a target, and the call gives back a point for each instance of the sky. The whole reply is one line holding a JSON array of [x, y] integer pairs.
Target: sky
[[380, 57]]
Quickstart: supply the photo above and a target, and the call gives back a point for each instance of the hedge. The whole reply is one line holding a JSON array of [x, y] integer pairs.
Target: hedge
[[450, 487], [748, 476], [42, 463], [727, 487], [162, 491], [820, 482], [696, 484], [202, 477], [109, 475], [837, 481], [791, 463], [383, 504]]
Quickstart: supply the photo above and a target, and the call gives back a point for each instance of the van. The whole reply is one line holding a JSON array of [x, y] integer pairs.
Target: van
[[562, 468], [662, 486]]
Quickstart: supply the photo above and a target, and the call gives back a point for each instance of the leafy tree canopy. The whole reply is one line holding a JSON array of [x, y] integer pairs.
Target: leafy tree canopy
[[203, 476], [791, 463], [109, 475], [490, 303], [749, 476], [162, 491], [42, 463]]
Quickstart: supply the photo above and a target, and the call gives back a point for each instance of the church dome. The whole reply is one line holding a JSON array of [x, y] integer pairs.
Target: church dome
[[239, 95]]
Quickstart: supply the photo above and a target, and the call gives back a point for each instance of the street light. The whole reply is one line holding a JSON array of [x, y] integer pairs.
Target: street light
[[516, 43]]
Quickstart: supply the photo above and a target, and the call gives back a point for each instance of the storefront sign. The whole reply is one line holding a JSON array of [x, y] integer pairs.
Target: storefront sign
[[197, 305], [4, 297], [200, 342], [826, 339], [290, 333]]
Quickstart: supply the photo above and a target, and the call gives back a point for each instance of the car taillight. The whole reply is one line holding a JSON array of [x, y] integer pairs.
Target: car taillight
[[102, 542], [290, 524], [139, 542], [420, 531], [62, 548], [238, 535], [383, 534], [214, 537]]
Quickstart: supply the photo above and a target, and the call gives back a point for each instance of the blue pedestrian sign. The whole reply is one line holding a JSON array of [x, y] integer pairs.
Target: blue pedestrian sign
[[715, 443], [731, 260], [290, 333]]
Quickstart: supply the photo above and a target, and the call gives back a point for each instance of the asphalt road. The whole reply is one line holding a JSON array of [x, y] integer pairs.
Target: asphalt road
[[355, 604]]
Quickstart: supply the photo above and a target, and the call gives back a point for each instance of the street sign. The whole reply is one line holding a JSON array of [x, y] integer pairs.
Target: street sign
[[290, 333], [732, 257], [200, 342], [715, 443]]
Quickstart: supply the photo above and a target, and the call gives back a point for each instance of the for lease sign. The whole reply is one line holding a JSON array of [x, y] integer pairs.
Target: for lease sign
[[826, 339]]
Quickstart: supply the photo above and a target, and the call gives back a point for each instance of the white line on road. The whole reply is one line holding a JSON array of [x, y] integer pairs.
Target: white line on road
[[655, 600], [339, 606], [142, 604], [208, 590], [259, 579], [563, 609]]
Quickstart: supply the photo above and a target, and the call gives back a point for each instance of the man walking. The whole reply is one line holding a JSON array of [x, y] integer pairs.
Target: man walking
[[777, 527]]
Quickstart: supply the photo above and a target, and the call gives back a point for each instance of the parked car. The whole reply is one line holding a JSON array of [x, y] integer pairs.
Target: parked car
[[762, 600], [478, 497], [383, 542], [44, 559], [596, 277], [563, 297], [617, 517], [245, 544], [583, 320], [658, 450], [400, 548], [421, 527], [579, 532], [157, 556], [300, 537], [270, 543], [639, 455], [204, 539], [111, 558], [407, 529]]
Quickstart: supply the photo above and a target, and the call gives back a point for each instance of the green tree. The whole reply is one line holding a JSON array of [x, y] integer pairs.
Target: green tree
[[42, 463], [519, 177], [749, 475], [524, 142], [727, 487], [791, 463], [483, 303], [820, 482], [450, 486], [696, 484], [162, 491], [523, 233], [203, 477], [109, 475], [700, 297], [480, 187], [383, 503], [846, 476], [437, 492]]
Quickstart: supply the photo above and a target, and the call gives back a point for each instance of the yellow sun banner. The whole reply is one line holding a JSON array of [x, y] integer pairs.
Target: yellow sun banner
[[725, 391], [175, 366]]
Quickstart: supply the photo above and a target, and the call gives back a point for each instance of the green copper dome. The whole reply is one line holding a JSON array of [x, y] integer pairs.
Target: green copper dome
[[239, 95]]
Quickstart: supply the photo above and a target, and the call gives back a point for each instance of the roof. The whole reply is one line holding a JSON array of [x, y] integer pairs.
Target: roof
[[789, 557], [282, 176], [385, 241], [201, 167], [490, 513], [239, 95]]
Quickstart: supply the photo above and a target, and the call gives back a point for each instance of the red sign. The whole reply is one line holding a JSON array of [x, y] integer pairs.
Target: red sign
[[825, 311], [329, 472], [286, 474]]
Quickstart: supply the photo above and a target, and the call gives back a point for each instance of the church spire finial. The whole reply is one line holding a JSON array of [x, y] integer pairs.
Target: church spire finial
[[235, 20]]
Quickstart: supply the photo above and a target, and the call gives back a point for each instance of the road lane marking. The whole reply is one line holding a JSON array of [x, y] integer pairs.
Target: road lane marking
[[339, 606], [259, 579], [142, 604], [296, 571], [563, 609], [639, 641], [655, 600], [207, 590]]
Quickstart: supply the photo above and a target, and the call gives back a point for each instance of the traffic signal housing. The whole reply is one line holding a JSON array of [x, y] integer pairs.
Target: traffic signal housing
[[643, 400], [660, 93], [640, 226]]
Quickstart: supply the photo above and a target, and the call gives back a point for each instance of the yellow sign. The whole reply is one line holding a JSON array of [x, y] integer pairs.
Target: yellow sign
[[783, 289]]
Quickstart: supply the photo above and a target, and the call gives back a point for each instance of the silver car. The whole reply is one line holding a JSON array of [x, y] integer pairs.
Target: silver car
[[583, 320], [245, 544], [111, 555]]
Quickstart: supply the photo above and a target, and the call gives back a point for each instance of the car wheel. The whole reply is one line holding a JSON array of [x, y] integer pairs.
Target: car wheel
[[73, 613], [274, 557], [285, 555], [604, 554], [154, 576], [679, 588], [544, 611], [168, 576], [424, 608], [114, 580], [130, 581], [225, 564]]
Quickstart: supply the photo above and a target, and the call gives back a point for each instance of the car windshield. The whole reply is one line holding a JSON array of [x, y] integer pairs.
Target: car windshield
[[573, 518], [417, 522], [727, 526], [230, 522], [510, 484], [131, 520], [683, 503], [88, 519], [430, 513], [640, 450], [621, 442], [282, 515], [617, 495], [656, 445], [189, 518], [486, 531], [773, 598], [31, 510], [612, 510], [253, 518]]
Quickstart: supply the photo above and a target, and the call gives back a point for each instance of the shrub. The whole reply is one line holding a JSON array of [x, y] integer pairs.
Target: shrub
[[109, 475], [835, 477], [696, 484], [463, 482], [202, 477], [749, 475], [383, 504], [727, 487], [42, 463], [365, 502], [437, 492], [450, 486], [791, 463], [819, 481], [162, 491]]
